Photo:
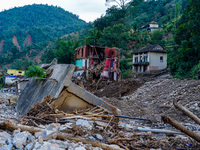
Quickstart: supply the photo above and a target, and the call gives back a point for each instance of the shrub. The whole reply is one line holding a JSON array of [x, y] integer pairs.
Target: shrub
[[194, 71], [35, 71]]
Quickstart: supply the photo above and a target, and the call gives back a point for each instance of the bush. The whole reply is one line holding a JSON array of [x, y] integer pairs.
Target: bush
[[169, 27], [35, 71], [128, 74], [194, 71]]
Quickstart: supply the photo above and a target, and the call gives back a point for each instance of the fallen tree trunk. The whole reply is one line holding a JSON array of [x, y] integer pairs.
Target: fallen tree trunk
[[115, 141], [186, 112], [10, 125], [180, 127]]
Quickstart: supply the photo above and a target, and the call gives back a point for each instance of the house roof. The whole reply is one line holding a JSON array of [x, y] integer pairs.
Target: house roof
[[149, 48], [153, 22], [3, 73], [147, 25]]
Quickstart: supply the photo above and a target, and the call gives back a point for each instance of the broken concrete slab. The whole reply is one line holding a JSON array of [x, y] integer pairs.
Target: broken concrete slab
[[69, 96], [88, 97], [36, 90], [68, 101]]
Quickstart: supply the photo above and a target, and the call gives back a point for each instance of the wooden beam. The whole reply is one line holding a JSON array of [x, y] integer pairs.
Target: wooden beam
[[180, 127], [186, 112], [96, 51]]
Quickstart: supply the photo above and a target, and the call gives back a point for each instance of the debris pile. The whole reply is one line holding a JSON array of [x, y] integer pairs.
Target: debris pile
[[45, 125], [122, 88], [85, 131], [155, 98]]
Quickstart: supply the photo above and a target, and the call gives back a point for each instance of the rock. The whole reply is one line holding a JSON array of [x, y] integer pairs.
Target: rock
[[9, 147], [49, 146], [91, 138], [65, 127], [98, 136], [96, 148], [49, 127], [57, 128], [3, 139], [62, 144], [84, 123], [16, 131], [31, 139], [55, 145], [5, 135], [40, 139], [9, 140], [37, 134], [100, 128], [2, 142], [19, 139], [102, 124], [47, 135], [37, 145], [29, 146], [80, 148]]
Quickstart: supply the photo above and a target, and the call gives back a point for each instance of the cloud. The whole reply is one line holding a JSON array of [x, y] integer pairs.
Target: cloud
[[86, 9]]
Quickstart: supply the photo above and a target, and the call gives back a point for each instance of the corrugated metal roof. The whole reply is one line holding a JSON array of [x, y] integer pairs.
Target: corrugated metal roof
[[149, 48]]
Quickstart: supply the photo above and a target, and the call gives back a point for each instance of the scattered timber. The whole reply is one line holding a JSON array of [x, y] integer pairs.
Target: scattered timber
[[186, 112], [180, 127], [10, 125]]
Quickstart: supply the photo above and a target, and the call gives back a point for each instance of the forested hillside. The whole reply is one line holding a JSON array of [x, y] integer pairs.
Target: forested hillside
[[32, 27], [120, 27]]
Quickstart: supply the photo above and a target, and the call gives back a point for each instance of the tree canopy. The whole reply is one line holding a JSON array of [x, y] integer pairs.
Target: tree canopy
[[183, 59]]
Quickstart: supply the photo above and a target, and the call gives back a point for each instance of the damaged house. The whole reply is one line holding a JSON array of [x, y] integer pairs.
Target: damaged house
[[149, 58], [95, 62], [66, 96]]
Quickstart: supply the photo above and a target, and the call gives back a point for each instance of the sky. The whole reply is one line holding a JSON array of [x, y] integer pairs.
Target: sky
[[87, 10]]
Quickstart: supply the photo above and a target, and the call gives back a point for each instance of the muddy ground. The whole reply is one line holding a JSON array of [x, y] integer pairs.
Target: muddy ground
[[155, 98], [145, 98]]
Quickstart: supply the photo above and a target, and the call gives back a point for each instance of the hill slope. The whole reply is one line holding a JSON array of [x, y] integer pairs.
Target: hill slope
[[40, 23]]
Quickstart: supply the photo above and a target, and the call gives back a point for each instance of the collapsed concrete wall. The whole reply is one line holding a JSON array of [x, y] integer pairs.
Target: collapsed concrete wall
[[68, 95]]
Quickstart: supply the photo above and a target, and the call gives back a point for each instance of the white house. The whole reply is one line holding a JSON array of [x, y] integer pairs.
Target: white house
[[150, 26], [149, 58]]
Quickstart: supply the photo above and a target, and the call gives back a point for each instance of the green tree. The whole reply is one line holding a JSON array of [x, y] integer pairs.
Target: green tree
[[181, 60], [93, 38], [35, 71], [116, 36], [65, 51], [157, 37], [21, 64]]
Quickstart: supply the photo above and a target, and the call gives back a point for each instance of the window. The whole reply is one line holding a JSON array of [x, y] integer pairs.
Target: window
[[161, 58], [145, 57], [140, 58], [19, 72], [158, 48], [82, 52], [136, 59], [78, 52]]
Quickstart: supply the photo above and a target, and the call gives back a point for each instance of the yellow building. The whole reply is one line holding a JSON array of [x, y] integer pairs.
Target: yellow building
[[14, 72]]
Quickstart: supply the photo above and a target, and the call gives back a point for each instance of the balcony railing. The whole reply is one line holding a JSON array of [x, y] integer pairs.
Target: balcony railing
[[141, 63]]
